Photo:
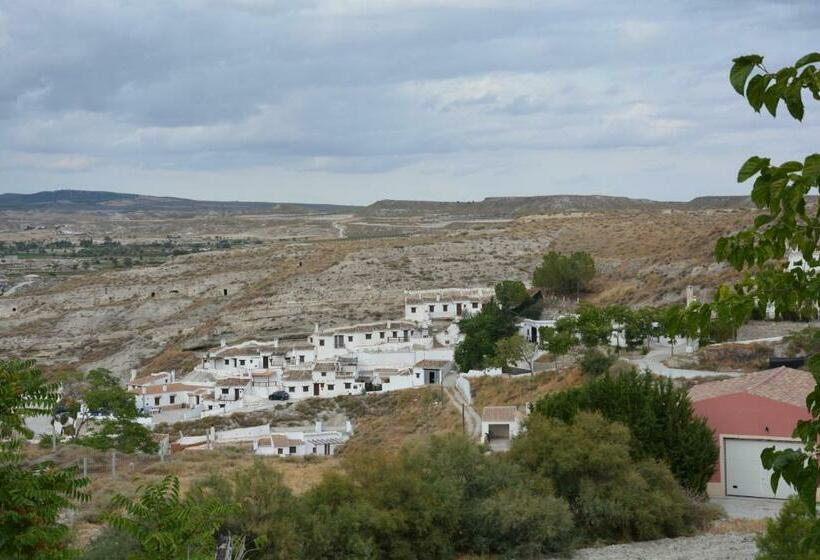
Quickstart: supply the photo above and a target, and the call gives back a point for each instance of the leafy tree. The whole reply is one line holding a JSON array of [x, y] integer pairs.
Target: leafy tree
[[120, 434], [511, 294], [671, 321], [481, 332], [31, 496], [508, 351], [790, 220], [593, 325], [564, 274], [658, 414], [266, 510], [558, 342], [168, 526]]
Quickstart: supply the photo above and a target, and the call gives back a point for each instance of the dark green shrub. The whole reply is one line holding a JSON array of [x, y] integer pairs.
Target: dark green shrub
[[612, 496], [111, 544], [659, 416], [784, 534], [595, 363]]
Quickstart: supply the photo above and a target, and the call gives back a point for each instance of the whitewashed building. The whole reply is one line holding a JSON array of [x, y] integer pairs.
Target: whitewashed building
[[340, 341], [447, 303], [499, 425]]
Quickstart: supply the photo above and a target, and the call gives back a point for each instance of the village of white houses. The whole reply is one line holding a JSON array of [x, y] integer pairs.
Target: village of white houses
[[409, 280]]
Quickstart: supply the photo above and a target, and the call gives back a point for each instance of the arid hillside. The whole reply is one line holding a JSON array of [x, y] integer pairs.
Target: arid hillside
[[283, 274]]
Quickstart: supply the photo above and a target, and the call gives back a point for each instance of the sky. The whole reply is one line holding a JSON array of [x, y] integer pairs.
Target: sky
[[353, 101]]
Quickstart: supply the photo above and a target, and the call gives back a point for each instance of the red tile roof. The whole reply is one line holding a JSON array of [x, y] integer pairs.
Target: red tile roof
[[786, 385]]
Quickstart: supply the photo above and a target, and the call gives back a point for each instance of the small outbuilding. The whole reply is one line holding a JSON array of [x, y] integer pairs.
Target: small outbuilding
[[499, 425], [748, 414]]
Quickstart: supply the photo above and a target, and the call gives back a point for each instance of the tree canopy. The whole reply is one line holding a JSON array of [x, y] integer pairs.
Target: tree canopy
[[564, 274]]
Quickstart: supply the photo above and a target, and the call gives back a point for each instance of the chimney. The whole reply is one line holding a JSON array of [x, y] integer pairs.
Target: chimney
[[143, 390], [173, 375], [317, 427], [222, 342], [164, 387], [388, 324], [438, 297], [133, 374], [348, 427]]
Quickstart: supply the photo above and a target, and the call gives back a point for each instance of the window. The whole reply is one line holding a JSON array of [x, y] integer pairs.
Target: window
[[418, 375], [291, 450], [385, 381], [324, 374], [173, 398], [431, 308], [381, 334], [444, 307], [241, 362], [305, 388], [339, 341], [321, 342], [314, 451], [475, 305], [350, 339], [225, 391], [280, 451], [406, 334], [330, 387], [222, 405], [412, 310], [347, 385], [368, 336], [156, 401], [291, 389], [311, 339], [227, 362], [395, 334]]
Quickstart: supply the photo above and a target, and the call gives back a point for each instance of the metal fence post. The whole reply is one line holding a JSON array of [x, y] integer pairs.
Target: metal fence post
[[85, 467], [113, 464]]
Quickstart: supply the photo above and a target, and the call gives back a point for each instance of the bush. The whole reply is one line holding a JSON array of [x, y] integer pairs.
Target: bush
[[612, 496], [595, 363], [784, 534], [111, 544], [659, 416]]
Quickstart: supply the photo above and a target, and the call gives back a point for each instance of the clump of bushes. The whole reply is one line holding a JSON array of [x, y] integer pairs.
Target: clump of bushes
[[613, 496], [658, 415], [784, 534], [595, 363]]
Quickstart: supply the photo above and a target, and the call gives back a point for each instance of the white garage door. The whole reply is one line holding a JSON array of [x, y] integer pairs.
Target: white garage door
[[745, 475]]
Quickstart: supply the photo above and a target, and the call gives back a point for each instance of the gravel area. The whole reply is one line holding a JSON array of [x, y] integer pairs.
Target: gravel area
[[731, 546]]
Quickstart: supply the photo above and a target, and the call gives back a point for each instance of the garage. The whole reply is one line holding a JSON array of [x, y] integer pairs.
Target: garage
[[748, 413], [499, 431], [745, 475]]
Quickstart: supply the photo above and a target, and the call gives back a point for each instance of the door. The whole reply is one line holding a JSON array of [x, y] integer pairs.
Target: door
[[236, 394], [315, 389], [533, 334], [265, 362], [431, 375], [458, 309], [745, 475]]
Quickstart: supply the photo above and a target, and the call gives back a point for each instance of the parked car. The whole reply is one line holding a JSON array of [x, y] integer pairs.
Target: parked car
[[279, 396]]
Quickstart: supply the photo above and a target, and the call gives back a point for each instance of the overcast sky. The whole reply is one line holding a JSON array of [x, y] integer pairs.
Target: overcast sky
[[352, 101]]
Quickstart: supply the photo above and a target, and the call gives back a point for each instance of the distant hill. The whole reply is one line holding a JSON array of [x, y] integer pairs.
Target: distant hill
[[111, 202], [494, 207], [502, 207]]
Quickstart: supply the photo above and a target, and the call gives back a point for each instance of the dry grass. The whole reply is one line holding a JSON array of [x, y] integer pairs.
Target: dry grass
[[507, 390], [725, 357], [724, 526], [388, 421]]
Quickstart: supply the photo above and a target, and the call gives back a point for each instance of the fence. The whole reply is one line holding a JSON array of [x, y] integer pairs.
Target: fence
[[463, 386]]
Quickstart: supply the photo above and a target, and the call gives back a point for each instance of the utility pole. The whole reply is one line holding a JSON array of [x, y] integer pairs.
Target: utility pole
[[85, 467], [463, 423], [113, 464]]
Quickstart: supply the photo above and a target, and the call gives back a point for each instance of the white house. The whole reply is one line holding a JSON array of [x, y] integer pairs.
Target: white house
[[339, 341], [245, 357], [158, 398], [499, 425], [530, 328], [446, 303], [231, 388], [159, 378], [432, 372]]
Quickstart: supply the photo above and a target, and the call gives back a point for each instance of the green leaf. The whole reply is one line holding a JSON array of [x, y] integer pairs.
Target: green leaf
[[762, 220], [811, 167], [738, 75], [756, 89], [752, 166], [794, 103], [771, 98], [808, 59]]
